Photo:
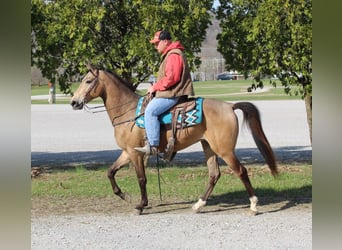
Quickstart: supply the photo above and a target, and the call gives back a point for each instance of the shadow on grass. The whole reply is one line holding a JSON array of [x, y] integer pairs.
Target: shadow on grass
[[289, 198], [272, 200]]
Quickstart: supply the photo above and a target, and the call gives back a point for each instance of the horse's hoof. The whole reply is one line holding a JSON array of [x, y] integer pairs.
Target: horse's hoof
[[196, 211], [253, 206], [137, 212], [198, 205], [252, 213], [124, 196], [121, 195], [138, 209]]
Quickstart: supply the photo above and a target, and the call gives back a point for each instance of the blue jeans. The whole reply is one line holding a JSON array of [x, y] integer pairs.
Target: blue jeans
[[156, 107]]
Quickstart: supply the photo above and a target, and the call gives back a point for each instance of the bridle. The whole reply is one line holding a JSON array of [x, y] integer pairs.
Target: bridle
[[92, 85], [94, 110]]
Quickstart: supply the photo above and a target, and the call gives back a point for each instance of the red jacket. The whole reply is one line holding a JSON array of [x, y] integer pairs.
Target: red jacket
[[173, 68]]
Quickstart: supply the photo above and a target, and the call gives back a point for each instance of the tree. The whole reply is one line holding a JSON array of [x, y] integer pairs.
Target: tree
[[272, 37], [113, 34]]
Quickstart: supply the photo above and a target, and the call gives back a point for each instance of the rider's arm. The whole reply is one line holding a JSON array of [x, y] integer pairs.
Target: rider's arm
[[173, 73]]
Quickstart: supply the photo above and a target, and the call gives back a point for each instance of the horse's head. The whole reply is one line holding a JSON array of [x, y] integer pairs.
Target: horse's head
[[88, 89]]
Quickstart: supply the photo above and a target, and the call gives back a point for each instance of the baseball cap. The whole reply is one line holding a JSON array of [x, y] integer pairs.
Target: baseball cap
[[161, 35]]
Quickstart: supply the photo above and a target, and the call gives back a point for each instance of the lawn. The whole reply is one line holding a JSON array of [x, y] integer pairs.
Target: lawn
[[82, 190], [184, 183]]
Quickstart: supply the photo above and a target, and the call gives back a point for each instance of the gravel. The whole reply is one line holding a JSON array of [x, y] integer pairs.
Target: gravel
[[285, 229]]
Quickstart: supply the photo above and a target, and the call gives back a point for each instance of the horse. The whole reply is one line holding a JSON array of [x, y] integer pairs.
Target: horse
[[217, 133]]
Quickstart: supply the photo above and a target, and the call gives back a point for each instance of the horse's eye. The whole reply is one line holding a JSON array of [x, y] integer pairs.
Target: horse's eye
[[89, 81]]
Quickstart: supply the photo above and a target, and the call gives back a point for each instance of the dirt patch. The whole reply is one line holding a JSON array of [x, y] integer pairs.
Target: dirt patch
[[45, 206]]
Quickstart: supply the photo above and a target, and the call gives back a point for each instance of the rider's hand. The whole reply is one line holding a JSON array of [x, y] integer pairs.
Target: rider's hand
[[150, 91]]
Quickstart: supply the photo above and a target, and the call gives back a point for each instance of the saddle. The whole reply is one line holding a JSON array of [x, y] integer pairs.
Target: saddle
[[187, 112]]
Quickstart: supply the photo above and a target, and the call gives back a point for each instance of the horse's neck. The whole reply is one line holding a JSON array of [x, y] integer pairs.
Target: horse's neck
[[118, 99]]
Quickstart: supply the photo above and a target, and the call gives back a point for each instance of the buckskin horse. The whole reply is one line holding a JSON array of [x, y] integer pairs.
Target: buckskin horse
[[217, 132]]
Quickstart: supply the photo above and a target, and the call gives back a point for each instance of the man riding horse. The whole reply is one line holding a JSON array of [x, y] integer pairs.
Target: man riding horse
[[173, 82]]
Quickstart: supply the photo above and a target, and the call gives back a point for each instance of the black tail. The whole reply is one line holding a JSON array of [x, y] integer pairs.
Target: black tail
[[252, 118]]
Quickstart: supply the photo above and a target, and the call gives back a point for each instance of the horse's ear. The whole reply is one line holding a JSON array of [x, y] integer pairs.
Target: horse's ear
[[92, 69]]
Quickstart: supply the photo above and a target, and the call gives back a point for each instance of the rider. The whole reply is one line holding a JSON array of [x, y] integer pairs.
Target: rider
[[173, 81]]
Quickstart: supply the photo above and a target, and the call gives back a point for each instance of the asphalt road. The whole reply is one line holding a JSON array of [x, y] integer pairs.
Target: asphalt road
[[62, 137]]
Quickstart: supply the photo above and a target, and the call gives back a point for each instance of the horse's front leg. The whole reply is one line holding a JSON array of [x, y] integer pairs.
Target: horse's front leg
[[123, 160], [214, 175], [138, 162]]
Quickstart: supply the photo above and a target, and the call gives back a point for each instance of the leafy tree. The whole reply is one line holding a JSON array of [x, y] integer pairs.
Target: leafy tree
[[270, 37], [113, 34]]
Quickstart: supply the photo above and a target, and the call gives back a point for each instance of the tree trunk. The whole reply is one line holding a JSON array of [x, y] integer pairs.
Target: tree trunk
[[52, 93], [308, 105]]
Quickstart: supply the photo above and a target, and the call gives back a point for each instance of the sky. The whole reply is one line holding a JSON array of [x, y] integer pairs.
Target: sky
[[216, 3]]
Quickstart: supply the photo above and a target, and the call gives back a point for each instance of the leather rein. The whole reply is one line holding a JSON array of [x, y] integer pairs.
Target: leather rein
[[93, 111]]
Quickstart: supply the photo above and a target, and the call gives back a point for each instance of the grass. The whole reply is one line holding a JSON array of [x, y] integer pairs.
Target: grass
[[178, 183], [223, 90], [237, 90], [44, 89]]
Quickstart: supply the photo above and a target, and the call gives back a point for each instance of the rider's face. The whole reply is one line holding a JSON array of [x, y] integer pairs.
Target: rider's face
[[161, 46]]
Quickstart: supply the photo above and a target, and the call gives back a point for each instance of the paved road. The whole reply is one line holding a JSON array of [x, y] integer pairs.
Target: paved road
[[61, 136]]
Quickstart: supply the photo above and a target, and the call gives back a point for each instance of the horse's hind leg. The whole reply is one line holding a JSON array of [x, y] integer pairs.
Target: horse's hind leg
[[240, 171], [123, 160], [214, 175]]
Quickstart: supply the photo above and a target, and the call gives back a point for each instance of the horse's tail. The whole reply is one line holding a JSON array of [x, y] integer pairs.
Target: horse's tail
[[252, 118]]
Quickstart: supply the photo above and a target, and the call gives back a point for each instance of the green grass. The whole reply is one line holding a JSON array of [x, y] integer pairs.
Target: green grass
[[178, 183], [44, 89], [223, 90], [237, 90]]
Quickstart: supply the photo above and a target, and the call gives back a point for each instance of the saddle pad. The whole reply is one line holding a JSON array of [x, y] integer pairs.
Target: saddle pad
[[191, 117]]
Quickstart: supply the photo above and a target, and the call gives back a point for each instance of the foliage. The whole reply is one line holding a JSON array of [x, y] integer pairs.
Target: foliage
[[114, 35], [272, 37]]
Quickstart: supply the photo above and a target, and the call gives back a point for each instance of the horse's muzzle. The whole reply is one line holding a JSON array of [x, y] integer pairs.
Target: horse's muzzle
[[76, 104]]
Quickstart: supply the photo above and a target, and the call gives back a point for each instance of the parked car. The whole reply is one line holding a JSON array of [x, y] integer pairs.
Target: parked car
[[225, 76]]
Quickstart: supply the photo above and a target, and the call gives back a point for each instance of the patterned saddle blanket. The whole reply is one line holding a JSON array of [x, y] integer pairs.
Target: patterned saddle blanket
[[188, 118]]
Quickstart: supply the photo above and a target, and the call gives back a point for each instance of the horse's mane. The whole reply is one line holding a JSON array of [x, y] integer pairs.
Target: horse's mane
[[119, 78]]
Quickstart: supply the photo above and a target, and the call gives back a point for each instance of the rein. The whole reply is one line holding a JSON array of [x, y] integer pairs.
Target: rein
[[93, 111], [90, 109]]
